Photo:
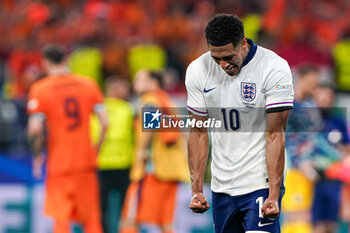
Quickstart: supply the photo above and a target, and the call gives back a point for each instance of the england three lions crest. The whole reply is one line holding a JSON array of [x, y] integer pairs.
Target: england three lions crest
[[248, 91]]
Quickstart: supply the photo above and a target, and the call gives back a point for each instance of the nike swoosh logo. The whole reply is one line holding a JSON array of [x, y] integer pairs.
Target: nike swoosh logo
[[207, 90], [264, 224]]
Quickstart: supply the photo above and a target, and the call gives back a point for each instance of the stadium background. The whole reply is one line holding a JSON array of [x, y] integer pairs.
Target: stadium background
[[115, 37]]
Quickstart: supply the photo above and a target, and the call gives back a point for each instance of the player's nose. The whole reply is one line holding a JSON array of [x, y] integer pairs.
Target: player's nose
[[224, 64]]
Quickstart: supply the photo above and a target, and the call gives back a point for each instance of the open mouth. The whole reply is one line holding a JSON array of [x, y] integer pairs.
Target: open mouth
[[232, 70]]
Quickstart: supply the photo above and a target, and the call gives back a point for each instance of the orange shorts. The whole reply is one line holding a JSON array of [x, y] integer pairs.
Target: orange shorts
[[73, 197], [150, 201]]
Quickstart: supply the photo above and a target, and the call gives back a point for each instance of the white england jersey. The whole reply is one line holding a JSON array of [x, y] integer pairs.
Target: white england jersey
[[238, 152]]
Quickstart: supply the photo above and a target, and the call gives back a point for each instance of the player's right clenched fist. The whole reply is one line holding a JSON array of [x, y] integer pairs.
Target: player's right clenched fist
[[199, 203]]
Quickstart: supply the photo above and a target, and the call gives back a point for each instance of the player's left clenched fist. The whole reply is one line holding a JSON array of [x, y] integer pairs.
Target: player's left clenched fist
[[199, 203], [270, 208]]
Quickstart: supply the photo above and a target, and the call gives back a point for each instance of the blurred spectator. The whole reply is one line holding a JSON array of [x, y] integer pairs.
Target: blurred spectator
[[299, 30], [116, 153], [326, 203], [12, 128], [310, 154], [298, 197], [160, 163]]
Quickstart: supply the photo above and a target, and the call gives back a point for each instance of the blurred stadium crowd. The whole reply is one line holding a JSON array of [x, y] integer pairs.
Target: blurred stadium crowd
[[111, 36], [121, 37]]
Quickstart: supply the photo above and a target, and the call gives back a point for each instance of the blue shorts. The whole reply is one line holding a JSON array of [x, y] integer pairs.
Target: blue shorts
[[239, 214], [326, 204]]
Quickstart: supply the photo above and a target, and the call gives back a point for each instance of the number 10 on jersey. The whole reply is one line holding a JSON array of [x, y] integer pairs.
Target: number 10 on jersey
[[231, 119]]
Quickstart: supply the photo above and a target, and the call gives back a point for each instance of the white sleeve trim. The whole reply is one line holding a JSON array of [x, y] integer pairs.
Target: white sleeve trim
[[196, 112], [38, 115], [287, 103]]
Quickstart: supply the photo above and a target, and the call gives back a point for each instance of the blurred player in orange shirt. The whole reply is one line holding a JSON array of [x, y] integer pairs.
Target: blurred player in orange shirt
[[160, 163], [64, 102]]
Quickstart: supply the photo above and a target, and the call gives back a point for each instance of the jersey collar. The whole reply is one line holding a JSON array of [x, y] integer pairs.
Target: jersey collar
[[251, 52]]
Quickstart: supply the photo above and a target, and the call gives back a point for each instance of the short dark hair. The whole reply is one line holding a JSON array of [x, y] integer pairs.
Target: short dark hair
[[115, 79], [223, 29], [307, 68], [54, 53], [329, 86], [158, 76]]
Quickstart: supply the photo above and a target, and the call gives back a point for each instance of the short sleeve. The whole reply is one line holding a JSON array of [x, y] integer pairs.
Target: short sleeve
[[279, 91], [195, 99], [36, 101]]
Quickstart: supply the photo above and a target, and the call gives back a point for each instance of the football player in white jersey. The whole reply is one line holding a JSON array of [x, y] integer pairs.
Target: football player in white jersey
[[250, 89]]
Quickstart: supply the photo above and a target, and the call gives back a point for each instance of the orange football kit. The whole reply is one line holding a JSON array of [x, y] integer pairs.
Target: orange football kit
[[67, 101]]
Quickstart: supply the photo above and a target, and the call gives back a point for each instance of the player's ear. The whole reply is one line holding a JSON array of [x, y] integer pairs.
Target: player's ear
[[244, 43]]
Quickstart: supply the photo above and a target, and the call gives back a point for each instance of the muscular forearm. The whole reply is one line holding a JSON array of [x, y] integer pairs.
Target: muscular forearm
[[36, 137], [144, 142], [275, 142], [36, 143], [275, 162], [103, 118], [198, 146], [102, 137]]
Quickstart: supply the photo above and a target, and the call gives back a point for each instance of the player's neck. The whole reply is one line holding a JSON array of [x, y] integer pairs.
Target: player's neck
[[58, 70]]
